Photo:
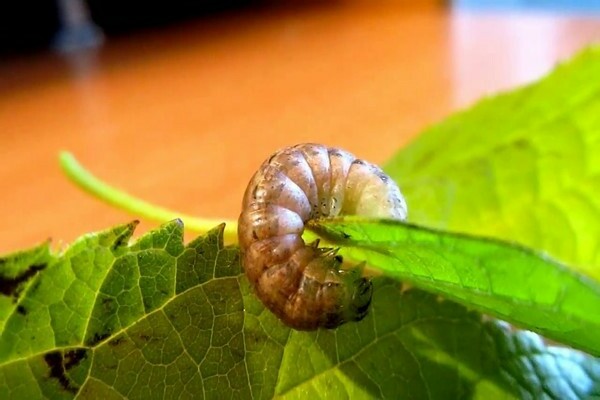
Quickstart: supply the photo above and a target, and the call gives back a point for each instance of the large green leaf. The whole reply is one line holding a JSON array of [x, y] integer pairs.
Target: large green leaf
[[523, 166], [504, 280], [160, 319]]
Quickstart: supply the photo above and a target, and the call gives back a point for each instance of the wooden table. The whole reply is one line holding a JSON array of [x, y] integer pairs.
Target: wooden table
[[181, 117]]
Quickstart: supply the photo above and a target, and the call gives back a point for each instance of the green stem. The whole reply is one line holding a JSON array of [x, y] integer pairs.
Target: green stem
[[91, 184]]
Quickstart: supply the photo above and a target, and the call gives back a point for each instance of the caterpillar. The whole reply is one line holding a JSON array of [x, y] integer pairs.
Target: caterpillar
[[302, 284]]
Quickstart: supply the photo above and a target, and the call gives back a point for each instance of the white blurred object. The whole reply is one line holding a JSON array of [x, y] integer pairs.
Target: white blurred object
[[519, 48], [78, 30], [582, 7]]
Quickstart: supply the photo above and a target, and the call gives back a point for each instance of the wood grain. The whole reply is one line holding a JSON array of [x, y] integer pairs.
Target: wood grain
[[183, 116]]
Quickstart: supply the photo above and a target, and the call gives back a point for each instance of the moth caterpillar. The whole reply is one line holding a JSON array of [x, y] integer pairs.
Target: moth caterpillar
[[302, 284]]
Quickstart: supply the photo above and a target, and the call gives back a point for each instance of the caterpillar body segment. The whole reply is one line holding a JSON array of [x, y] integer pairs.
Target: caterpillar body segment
[[304, 285]]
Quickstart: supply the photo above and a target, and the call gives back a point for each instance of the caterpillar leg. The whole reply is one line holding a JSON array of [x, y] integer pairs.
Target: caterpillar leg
[[333, 294]]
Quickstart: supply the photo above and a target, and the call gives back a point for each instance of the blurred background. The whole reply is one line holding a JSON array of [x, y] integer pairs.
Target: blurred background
[[178, 102]]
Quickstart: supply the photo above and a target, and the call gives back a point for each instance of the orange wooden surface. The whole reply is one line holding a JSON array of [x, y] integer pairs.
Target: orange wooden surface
[[183, 116]]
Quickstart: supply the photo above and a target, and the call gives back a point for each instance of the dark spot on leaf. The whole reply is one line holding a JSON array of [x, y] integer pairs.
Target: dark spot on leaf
[[108, 304], [34, 288], [144, 337], [521, 144], [21, 310], [252, 338], [74, 357], [237, 354], [17, 295], [424, 160], [98, 337], [116, 341], [120, 241], [345, 235], [10, 286], [54, 360]]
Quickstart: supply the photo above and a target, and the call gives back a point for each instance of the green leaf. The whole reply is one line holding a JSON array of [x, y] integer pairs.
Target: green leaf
[[160, 319], [16, 273], [522, 166], [501, 279]]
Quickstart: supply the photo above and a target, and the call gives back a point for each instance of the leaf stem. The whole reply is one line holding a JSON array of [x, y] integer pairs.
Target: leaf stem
[[118, 198]]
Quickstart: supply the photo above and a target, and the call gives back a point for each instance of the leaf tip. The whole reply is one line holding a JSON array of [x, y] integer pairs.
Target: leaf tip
[[178, 221]]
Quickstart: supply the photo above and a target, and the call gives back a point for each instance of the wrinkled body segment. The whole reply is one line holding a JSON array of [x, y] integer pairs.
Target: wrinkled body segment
[[300, 283]]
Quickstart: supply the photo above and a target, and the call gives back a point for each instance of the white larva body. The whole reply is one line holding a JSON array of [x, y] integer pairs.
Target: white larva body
[[301, 283]]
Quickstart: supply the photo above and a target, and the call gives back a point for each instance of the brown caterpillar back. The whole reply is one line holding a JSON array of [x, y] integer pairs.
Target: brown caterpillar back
[[303, 284]]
